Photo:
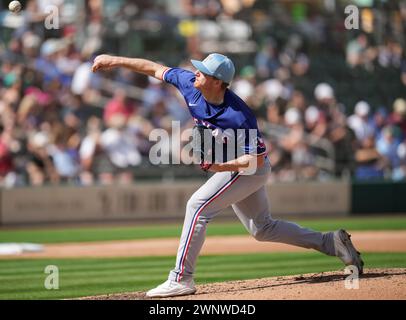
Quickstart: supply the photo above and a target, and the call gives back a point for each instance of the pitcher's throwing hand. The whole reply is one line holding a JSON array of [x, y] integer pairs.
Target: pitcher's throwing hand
[[103, 62]]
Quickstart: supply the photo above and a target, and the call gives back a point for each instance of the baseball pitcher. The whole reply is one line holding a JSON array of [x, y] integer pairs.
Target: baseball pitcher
[[238, 182]]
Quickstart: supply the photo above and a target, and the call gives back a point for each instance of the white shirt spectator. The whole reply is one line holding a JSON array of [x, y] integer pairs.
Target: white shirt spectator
[[64, 162], [359, 123], [274, 89], [87, 147], [243, 88], [121, 147], [292, 117], [81, 78], [323, 91], [312, 115]]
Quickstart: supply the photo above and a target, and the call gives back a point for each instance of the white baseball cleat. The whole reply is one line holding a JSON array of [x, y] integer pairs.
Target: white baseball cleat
[[172, 288], [346, 251]]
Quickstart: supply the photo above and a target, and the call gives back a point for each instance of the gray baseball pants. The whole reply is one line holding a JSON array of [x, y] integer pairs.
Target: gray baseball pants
[[248, 198]]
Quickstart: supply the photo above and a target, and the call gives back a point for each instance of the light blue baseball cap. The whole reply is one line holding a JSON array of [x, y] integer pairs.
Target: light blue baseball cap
[[216, 65]]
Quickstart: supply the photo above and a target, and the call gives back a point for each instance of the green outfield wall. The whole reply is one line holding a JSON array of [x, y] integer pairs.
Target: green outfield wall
[[378, 197]]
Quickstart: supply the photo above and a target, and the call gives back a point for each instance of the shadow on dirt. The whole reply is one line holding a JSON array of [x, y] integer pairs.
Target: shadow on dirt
[[321, 278], [308, 279]]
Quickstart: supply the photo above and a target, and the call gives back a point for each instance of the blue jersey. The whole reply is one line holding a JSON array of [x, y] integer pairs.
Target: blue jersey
[[232, 114]]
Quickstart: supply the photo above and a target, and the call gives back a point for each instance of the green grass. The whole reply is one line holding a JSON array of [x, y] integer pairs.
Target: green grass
[[59, 235], [24, 279]]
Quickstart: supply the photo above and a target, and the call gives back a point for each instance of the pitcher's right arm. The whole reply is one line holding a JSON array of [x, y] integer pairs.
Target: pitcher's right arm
[[143, 66]]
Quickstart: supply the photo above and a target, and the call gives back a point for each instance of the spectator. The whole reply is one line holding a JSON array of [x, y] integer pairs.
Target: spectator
[[119, 105], [244, 85], [388, 144], [96, 166], [356, 49], [293, 120], [379, 121], [324, 96], [292, 143], [370, 163], [266, 60], [390, 54], [298, 101], [121, 147], [153, 93], [313, 125], [272, 90], [398, 116], [46, 82], [359, 122], [81, 77], [202, 8], [303, 156], [399, 172], [39, 166], [46, 63], [65, 158], [6, 159], [176, 107]]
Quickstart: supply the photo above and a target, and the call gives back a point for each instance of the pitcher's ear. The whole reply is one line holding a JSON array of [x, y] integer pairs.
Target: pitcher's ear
[[219, 82], [224, 85]]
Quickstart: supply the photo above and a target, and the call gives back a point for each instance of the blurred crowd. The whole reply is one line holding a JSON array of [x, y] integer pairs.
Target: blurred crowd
[[329, 105]]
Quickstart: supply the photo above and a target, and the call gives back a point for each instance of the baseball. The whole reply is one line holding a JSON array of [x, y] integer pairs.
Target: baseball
[[14, 6]]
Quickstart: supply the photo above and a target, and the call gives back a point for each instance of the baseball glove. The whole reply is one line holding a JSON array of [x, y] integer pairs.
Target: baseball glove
[[203, 145]]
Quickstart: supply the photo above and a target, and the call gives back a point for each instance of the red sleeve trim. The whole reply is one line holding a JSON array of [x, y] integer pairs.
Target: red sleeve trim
[[163, 73]]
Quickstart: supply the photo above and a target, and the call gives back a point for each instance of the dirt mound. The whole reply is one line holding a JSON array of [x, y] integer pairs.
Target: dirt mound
[[374, 284]]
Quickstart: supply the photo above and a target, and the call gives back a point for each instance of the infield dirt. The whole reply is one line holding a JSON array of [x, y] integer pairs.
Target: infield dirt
[[365, 241], [374, 284]]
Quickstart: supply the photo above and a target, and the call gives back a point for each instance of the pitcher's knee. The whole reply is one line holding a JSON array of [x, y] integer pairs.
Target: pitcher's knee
[[193, 204], [265, 233]]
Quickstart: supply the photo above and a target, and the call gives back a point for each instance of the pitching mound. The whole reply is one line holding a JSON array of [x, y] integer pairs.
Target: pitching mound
[[374, 284]]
